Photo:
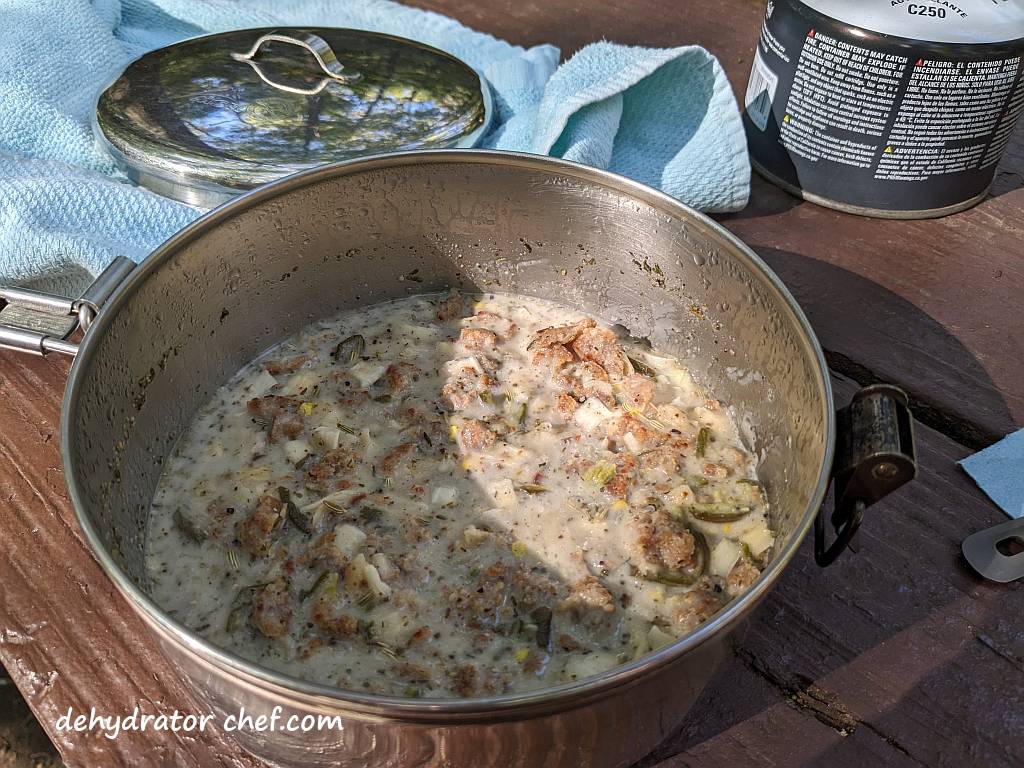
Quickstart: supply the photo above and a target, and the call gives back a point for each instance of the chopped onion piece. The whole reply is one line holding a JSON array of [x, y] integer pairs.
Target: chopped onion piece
[[262, 383], [578, 666], [301, 383], [591, 413], [679, 496], [393, 628], [472, 536], [724, 557], [504, 493], [444, 494], [420, 332], [367, 372], [758, 540], [359, 570], [326, 438], [383, 565], [632, 443], [348, 539], [454, 366], [657, 637], [296, 450]]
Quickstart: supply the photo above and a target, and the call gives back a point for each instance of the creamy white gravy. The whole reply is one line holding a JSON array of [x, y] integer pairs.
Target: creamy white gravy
[[455, 496]]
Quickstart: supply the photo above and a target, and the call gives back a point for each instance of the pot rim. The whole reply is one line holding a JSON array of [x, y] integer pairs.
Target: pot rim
[[597, 686]]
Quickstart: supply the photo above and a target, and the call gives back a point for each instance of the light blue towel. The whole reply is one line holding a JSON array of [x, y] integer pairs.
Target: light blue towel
[[999, 472], [664, 116]]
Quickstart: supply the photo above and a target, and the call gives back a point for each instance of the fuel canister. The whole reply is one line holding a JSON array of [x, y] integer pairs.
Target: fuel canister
[[886, 108]]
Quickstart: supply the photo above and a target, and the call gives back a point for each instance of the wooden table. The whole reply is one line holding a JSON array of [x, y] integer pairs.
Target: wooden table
[[899, 655]]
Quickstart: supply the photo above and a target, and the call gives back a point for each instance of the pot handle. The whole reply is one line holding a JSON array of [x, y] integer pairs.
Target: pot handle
[[874, 456], [41, 323], [312, 43]]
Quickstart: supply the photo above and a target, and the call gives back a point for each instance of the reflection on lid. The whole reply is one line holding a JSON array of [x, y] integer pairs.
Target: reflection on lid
[[191, 110]]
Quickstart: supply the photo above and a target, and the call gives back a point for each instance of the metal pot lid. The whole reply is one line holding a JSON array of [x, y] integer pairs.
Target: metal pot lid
[[205, 119]]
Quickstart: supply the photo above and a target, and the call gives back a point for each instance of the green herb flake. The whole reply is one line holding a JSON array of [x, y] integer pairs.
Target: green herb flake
[[532, 488], [295, 516], [350, 349], [600, 474], [370, 514], [541, 616], [703, 437], [718, 511], [241, 606], [327, 581], [642, 368]]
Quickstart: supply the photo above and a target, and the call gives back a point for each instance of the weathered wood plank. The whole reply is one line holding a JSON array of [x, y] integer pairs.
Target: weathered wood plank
[[916, 659], [932, 305]]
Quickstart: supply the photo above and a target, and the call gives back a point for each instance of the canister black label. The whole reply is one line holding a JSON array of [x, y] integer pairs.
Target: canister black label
[[864, 119]]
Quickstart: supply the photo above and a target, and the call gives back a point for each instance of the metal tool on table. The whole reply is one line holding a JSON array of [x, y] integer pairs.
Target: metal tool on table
[[997, 553]]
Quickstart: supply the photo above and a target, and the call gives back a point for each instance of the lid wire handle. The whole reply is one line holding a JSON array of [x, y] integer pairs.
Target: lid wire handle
[[312, 43]]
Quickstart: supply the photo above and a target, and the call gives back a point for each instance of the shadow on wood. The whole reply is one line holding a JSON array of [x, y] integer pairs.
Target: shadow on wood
[[859, 320]]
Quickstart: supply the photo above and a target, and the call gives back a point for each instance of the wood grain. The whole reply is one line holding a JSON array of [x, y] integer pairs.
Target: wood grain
[[896, 656], [932, 305]]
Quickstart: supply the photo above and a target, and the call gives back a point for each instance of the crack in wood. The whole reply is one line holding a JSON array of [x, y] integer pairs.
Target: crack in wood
[[825, 707], [891, 741], [953, 426], [1012, 658], [1020, 176], [805, 696]]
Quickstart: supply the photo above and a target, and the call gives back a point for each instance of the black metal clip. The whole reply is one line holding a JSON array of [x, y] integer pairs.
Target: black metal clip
[[874, 456]]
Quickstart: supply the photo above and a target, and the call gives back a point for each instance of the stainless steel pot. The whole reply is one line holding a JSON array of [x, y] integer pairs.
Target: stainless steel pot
[[261, 267]]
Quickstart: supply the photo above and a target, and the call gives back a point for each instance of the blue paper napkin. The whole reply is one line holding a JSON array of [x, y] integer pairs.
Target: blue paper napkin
[[664, 116], [999, 472]]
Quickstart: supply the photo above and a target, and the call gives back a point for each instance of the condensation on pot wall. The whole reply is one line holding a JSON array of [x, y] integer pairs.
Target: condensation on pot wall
[[886, 108]]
